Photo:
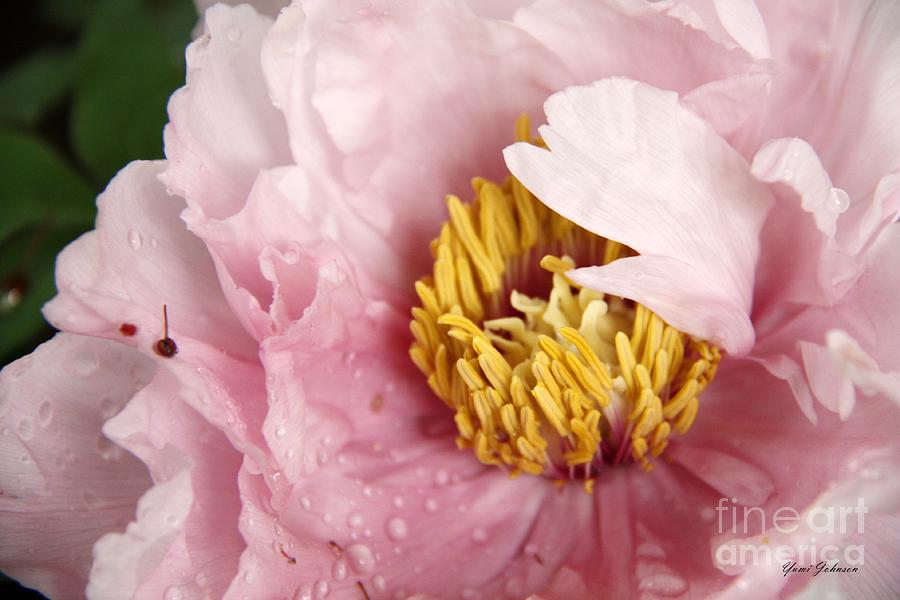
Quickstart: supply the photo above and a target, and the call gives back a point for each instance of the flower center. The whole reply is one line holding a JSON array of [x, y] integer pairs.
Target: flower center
[[561, 384]]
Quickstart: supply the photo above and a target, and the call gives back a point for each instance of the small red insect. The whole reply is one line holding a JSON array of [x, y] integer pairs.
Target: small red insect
[[165, 347], [128, 329]]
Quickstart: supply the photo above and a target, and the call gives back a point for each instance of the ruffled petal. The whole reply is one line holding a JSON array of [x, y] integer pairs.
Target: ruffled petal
[[184, 541], [342, 73], [568, 27], [63, 483], [701, 208], [838, 83], [139, 258], [223, 127]]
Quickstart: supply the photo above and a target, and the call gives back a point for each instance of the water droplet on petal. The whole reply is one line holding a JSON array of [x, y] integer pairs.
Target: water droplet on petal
[[85, 366], [397, 528], [280, 431], [663, 584], [431, 505], [339, 570], [361, 558], [379, 583], [398, 502], [838, 200], [45, 414], [173, 592], [355, 521], [135, 239], [305, 503], [441, 477]]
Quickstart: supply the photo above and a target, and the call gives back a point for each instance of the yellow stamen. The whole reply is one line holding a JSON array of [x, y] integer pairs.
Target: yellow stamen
[[570, 369]]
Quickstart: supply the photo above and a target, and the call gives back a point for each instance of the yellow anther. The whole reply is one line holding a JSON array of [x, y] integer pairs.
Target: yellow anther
[[460, 324], [642, 378], [429, 299], [544, 377], [687, 416], [551, 409], [557, 265], [510, 420], [535, 382], [464, 423], [653, 341], [681, 399], [462, 226], [588, 355], [627, 361], [469, 375], [660, 371]]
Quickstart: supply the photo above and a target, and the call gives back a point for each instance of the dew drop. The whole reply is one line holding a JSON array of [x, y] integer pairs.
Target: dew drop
[[326, 517], [339, 570], [173, 592], [25, 429], [379, 583], [663, 584], [305, 503], [398, 502], [135, 239], [280, 431], [321, 588], [45, 414], [85, 366], [349, 358], [441, 477], [431, 505], [367, 492], [355, 521], [107, 448], [838, 200], [361, 558], [397, 528]]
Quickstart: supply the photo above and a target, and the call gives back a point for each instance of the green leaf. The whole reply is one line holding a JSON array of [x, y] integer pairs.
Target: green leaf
[[32, 86], [36, 185], [131, 59], [26, 283]]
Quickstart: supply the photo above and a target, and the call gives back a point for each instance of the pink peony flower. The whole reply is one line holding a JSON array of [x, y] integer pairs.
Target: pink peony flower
[[724, 178]]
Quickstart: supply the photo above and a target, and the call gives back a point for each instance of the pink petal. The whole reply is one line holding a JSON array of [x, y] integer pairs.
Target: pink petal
[[837, 86], [223, 127], [63, 483], [139, 258], [263, 7], [343, 74], [184, 540], [604, 139], [568, 27]]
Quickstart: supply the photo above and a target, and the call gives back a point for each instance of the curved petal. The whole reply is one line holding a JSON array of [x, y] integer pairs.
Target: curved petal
[[837, 86], [567, 27], [223, 127], [184, 541], [343, 73], [63, 484], [701, 207], [140, 257]]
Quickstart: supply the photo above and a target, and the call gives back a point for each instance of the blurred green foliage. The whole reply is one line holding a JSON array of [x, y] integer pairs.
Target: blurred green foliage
[[83, 91]]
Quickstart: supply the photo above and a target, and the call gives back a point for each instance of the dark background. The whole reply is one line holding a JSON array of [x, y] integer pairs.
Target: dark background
[[83, 91]]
